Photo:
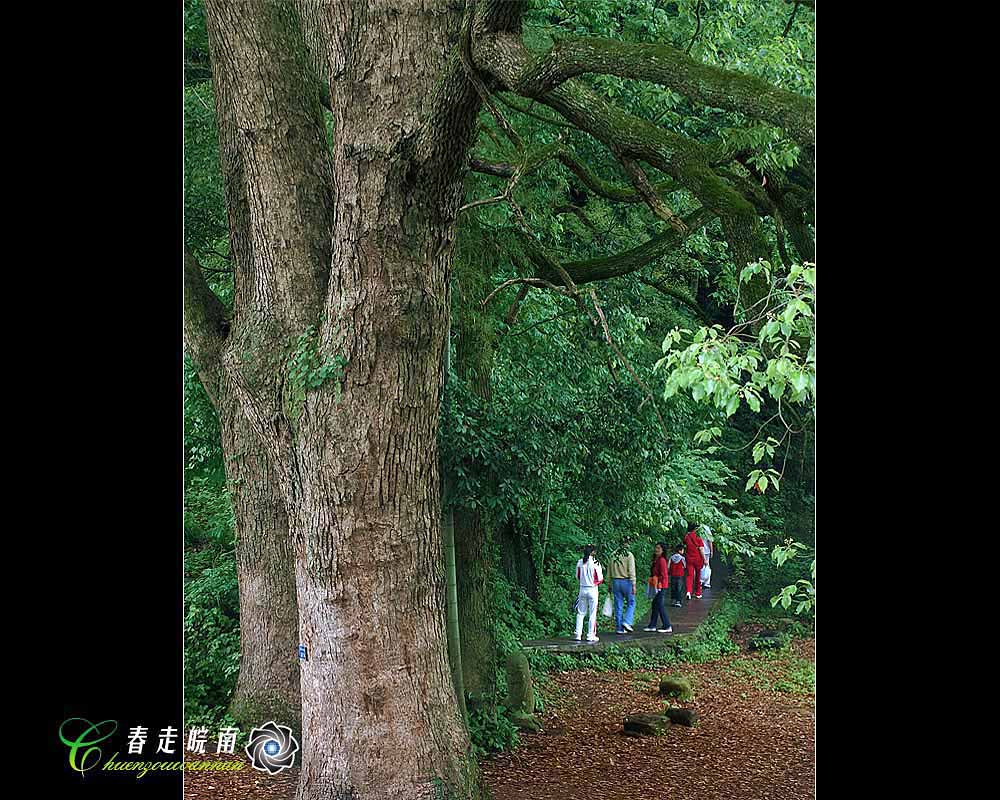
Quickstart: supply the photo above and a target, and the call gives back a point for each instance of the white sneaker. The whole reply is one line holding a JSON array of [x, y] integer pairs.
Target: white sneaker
[[689, 595], [665, 630], [591, 640], [627, 627], [697, 597], [576, 638], [650, 630]]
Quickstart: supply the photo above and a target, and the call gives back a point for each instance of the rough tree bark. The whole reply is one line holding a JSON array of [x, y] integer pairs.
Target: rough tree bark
[[267, 687], [268, 684]]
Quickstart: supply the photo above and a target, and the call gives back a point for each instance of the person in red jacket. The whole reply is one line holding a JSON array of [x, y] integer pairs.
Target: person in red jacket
[[659, 580], [695, 558]]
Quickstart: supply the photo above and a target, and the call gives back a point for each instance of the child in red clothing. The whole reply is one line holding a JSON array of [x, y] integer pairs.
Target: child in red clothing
[[676, 570], [693, 545]]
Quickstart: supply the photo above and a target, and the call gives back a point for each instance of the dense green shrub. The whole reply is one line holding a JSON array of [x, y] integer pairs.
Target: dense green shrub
[[211, 663], [211, 603], [491, 730]]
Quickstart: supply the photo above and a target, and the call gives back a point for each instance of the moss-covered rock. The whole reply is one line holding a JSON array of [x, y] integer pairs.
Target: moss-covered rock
[[646, 724], [676, 686], [681, 716]]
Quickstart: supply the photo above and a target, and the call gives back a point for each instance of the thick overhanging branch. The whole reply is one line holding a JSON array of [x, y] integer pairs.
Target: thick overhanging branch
[[510, 64], [618, 193], [649, 194], [598, 269], [668, 66], [507, 60]]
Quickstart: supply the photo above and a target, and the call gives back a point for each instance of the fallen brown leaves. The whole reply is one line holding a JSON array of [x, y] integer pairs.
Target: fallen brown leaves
[[236, 785], [749, 744]]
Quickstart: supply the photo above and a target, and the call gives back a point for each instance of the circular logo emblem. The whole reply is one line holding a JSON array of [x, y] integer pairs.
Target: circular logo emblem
[[272, 748]]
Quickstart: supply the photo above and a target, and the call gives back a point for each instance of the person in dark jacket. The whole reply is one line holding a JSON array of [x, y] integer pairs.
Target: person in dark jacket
[[660, 580]]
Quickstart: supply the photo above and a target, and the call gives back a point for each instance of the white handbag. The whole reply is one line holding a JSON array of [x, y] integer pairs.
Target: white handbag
[[608, 609]]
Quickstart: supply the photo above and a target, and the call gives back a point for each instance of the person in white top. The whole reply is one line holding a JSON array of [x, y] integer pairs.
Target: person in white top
[[706, 571], [591, 575]]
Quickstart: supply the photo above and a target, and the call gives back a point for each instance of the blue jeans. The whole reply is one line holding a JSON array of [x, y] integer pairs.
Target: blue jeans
[[659, 611], [622, 588]]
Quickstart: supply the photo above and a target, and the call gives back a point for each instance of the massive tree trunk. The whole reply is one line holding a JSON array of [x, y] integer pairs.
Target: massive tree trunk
[[336, 357], [379, 709]]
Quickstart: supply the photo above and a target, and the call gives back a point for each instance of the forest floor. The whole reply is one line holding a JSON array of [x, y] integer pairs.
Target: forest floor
[[755, 736], [754, 740]]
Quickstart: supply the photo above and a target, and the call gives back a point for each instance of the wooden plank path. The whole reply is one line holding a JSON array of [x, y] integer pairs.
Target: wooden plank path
[[682, 620]]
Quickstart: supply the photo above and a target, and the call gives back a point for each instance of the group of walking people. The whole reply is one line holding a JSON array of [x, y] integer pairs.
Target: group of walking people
[[685, 567]]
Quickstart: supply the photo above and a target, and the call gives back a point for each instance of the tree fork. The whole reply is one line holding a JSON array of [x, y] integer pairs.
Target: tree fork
[[359, 460]]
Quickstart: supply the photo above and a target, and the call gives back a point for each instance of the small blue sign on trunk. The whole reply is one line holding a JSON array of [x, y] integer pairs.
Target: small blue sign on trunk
[[303, 656]]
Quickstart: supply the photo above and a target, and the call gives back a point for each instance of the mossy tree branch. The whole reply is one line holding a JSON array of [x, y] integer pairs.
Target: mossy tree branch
[[509, 63], [616, 192], [507, 60], [599, 269], [667, 66], [500, 55], [649, 194]]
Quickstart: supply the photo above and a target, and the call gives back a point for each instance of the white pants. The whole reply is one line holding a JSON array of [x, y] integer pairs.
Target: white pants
[[586, 602]]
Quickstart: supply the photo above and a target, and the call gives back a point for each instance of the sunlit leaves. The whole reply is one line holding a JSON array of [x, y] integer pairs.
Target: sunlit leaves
[[723, 367], [802, 592]]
